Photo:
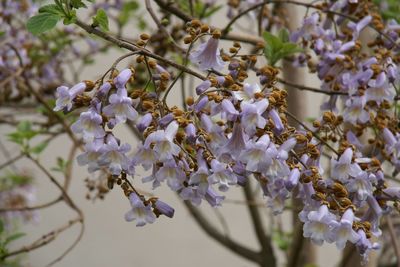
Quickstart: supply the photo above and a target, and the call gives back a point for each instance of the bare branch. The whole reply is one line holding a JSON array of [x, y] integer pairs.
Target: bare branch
[[221, 238]]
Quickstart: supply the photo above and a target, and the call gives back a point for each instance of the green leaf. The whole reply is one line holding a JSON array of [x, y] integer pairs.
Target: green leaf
[[101, 19], [283, 35], [52, 9], [126, 11], [16, 138], [71, 18], [77, 4], [13, 237], [24, 126], [42, 22], [38, 148], [282, 240], [278, 47], [1, 226], [61, 165]]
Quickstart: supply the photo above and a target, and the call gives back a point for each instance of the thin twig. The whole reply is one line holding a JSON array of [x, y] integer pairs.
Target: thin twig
[[37, 207], [133, 48], [11, 161]]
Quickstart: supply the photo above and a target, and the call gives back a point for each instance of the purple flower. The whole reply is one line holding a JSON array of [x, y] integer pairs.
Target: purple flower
[[190, 131], [90, 124], [122, 78], [145, 156], [247, 94], [113, 156], [310, 27], [380, 90], [361, 185], [140, 212], [163, 141], [274, 115], [207, 56], [201, 88], [318, 225], [144, 122], [192, 194], [343, 231], [91, 155], [200, 178], [120, 107], [359, 26], [343, 168], [65, 96], [164, 208], [257, 156], [235, 144], [251, 116], [354, 111], [364, 245], [172, 173], [293, 179], [213, 198], [221, 174], [229, 110]]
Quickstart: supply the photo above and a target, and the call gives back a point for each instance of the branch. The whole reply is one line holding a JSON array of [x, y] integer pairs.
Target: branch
[[133, 48], [394, 238], [296, 246], [11, 161], [220, 238], [160, 26], [41, 100], [168, 6], [41, 206], [267, 252], [306, 88], [45, 239], [331, 12]]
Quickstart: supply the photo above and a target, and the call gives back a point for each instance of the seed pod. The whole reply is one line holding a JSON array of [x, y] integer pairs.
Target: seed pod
[[144, 36]]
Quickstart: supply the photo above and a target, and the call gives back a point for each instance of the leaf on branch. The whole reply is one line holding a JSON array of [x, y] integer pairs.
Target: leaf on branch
[[42, 22], [101, 20], [38, 148], [279, 47], [77, 4], [52, 9]]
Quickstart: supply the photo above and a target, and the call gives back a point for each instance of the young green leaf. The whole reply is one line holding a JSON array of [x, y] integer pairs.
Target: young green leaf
[[101, 20], [42, 22], [38, 148], [278, 47], [77, 4], [283, 35]]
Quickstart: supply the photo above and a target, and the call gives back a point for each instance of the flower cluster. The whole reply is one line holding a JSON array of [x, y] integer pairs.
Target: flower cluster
[[233, 130], [361, 82]]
